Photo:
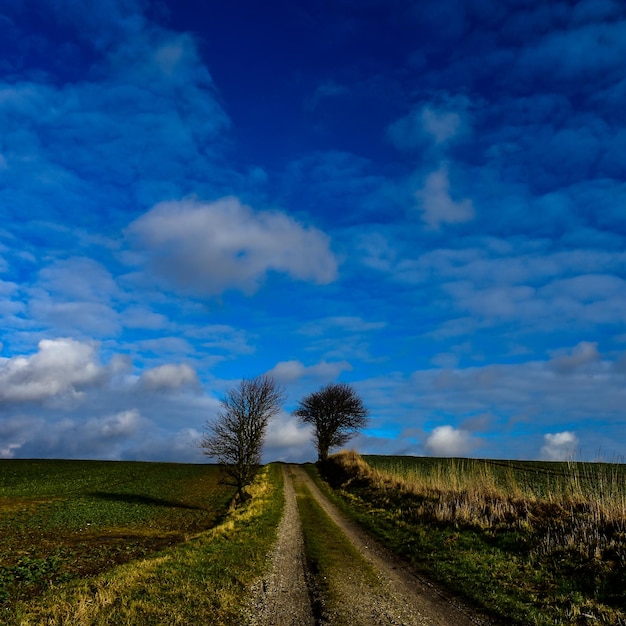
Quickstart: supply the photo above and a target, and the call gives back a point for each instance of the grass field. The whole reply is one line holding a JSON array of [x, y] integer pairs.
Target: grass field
[[533, 543], [86, 542], [65, 520]]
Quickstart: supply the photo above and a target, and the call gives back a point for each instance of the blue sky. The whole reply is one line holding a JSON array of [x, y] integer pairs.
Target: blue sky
[[424, 199]]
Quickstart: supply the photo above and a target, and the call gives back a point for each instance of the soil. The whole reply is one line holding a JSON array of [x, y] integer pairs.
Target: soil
[[399, 596]]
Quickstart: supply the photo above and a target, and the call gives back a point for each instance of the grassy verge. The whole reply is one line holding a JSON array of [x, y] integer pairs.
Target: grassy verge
[[202, 580], [528, 560], [332, 560]]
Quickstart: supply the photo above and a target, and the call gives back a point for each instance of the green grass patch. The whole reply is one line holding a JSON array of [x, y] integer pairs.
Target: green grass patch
[[203, 580]]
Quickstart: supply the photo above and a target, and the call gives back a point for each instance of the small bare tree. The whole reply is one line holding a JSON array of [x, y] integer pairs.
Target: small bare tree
[[336, 413], [235, 438]]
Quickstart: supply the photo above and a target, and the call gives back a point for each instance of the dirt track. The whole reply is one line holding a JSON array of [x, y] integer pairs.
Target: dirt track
[[399, 597]]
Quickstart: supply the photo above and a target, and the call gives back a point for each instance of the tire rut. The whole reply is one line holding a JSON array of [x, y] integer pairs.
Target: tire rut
[[399, 597], [282, 598]]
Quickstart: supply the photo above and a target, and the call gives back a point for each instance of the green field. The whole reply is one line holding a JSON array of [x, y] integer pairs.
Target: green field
[[64, 520]]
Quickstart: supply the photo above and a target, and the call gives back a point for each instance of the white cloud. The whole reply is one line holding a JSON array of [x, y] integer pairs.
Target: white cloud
[[449, 441], [436, 203], [289, 371], [15, 431], [78, 279], [559, 446], [287, 439], [61, 367], [169, 376], [142, 317], [585, 353], [75, 295], [96, 437], [7, 451], [121, 425], [211, 247], [65, 316]]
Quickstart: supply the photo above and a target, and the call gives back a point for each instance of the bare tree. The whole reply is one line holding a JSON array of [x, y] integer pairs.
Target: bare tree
[[236, 437], [336, 413]]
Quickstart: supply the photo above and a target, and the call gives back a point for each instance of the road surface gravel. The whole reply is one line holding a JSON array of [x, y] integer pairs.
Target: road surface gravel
[[398, 597]]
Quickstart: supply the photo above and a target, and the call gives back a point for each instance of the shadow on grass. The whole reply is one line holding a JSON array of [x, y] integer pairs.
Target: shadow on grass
[[134, 498]]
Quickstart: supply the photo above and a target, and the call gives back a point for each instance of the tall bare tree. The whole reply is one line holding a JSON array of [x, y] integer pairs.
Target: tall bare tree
[[336, 413], [235, 438]]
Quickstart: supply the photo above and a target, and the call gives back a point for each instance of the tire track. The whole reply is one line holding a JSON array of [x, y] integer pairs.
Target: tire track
[[402, 598], [399, 598], [282, 598]]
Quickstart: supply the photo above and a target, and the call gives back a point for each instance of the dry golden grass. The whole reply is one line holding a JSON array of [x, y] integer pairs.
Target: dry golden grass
[[553, 536], [471, 492]]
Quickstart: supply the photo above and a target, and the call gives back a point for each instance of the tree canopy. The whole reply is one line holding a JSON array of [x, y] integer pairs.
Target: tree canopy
[[336, 413]]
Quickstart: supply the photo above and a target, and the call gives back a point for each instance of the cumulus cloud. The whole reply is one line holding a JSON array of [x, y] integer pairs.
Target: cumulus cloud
[[559, 446], [436, 203], [61, 368], [449, 441], [95, 437], [121, 425], [211, 247], [287, 439], [169, 377]]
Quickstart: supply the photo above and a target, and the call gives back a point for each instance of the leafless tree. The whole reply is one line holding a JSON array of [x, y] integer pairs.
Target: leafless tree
[[336, 413], [235, 438]]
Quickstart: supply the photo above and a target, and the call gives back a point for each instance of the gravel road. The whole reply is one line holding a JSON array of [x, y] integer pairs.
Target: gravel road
[[398, 597]]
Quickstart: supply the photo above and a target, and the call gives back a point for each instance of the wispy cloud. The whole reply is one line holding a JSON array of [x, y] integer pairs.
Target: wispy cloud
[[437, 204], [290, 371]]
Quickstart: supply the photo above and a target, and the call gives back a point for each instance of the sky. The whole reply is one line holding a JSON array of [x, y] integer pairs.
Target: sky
[[423, 199]]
